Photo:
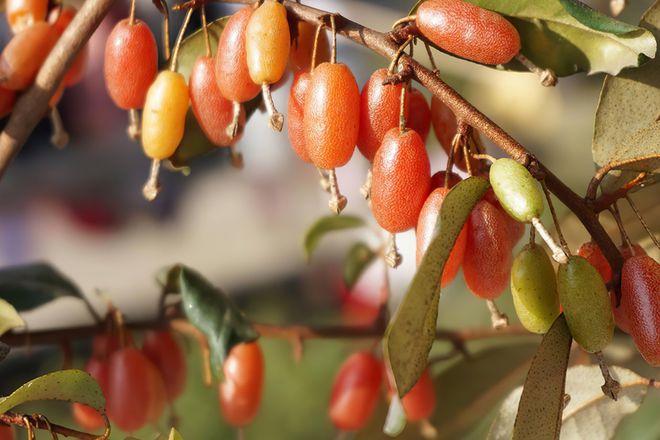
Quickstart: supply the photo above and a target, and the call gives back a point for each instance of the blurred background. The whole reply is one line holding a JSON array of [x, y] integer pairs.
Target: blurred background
[[82, 210]]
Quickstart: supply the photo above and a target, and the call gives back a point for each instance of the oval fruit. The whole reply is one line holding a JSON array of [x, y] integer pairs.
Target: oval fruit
[[438, 180], [534, 289], [6, 432], [267, 43], [419, 403], [295, 113], [162, 350], [157, 394], [240, 391], [21, 14], [419, 113], [516, 190], [468, 31], [300, 56], [331, 115], [86, 417], [584, 299], [24, 54], [401, 180]]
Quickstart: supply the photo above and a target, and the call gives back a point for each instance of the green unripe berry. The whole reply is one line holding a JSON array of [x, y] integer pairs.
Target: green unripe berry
[[534, 289], [516, 189], [586, 303]]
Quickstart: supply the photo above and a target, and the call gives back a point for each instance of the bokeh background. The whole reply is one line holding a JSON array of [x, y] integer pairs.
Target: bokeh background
[[81, 209]]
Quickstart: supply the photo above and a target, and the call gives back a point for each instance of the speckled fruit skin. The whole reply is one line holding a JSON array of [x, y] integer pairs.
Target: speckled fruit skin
[[401, 180], [516, 189], [213, 111], [419, 113], [468, 31], [420, 402], [131, 63], [355, 391], [584, 299], [241, 388], [640, 296], [24, 54], [267, 43], [428, 218], [331, 115], [444, 123], [231, 69], [300, 56], [534, 289], [295, 114], [379, 112], [487, 259]]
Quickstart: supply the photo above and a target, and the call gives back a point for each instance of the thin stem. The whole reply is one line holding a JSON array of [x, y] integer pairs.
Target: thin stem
[[546, 76], [605, 169], [365, 189], [466, 155], [207, 40], [134, 129], [532, 236], [498, 319], [402, 109], [337, 201], [333, 55], [400, 51], [179, 39], [642, 221], [131, 16], [186, 328], [558, 253], [484, 156], [317, 35], [232, 128], [166, 29], [276, 121], [236, 158], [60, 137], [404, 20], [431, 58], [611, 387], [555, 220], [324, 182], [152, 187], [392, 256], [625, 240]]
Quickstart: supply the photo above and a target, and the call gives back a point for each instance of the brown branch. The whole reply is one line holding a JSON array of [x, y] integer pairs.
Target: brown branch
[[592, 189], [606, 200], [11, 418]]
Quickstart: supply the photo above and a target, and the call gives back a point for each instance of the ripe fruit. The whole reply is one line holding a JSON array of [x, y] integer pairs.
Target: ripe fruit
[[516, 190], [419, 403], [240, 391], [355, 391], [7, 101], [468, 31], [164, 115], [6, 432], [231, 69], [21, 14], [130, 64], [300, 56], [401, 180], [157, 394], [331, 115], [86, 417], [162, 350], [379, 112], [24, 54], [445, 127], [267, 43], [295, 113], [487, 259], [438, 180], [640, 298], [59, 20], [419, 115], [534, 289], [213, 111], [425, 228], [583, 296]]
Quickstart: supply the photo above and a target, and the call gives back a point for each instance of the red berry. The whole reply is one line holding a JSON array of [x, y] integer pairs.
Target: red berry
[[157, 394], [419, 115], [6, 432], [21, 14], [592, 253], [131, 63], [438, 180], [468, 31], [24, 54], [7, 101], [419, 403], [355, 391], [162, 350], [295, 114], [401, 180], [86, 417], [240, 391]]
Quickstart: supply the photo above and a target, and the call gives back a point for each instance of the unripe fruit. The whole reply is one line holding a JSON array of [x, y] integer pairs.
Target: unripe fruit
[[300, 56], [487, 259], [516, 190], [583, 296], [428, 218], [468, 31], [379, 112], [401, 180], [60, 22], [231, 69], [331, 115], [130, 64], [438, 180], [355, 391], [7, 101], [640, 297], [419, 113], [21, 14], [213, 111], [267, 43], [240, 390], [86, 417], [6, 432], [162, 350], [419, 403], [534, 289], [164, 115], [24, 54], [295, 113]]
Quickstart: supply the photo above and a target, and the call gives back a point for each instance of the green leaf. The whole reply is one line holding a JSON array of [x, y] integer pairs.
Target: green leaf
[[410, 334], [358, 258], [9, 317], [174, 435], [395, 421], [212, 312], [30, 286], [594, 19], [67, 385], [327, 224], [627, 123]]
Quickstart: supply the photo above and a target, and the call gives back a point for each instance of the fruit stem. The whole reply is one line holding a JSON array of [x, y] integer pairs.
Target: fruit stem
[[207, 40], [232, 128], [450, 157], [365, 189], [611, 387], [555, 220], [427, 430], [642, 221], [28, 427], [337, 201], [402, 109], [179, 39], [532, 236], [466, 156], [617, 7], [60, 137], [397, 55], [131, 16], [547, 77], [558, 253], [484, 156], [431, 58], [392, 256], [625, 240], [323, 181], [404, 20], [133, 129], [316, 44], [333, 56], [166, 27], [187, 329], [498, 319], [152, 187], [236, 158], [276, 121]]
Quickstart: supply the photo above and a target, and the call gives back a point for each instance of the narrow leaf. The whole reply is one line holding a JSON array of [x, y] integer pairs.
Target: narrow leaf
[[66, 385], [395, 421], [9, 317], [410, 334], [358, 258], [325, 225]]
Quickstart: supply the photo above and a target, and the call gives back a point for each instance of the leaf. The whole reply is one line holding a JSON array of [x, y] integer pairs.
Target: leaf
[[174, 435], [212, 312], [67, 385], [540, 409], [627, 124], [553, 38], [410, 334], [589, 410], [395, 421], [358, 258], [30, 286], [4, 350], [9, 317], [327, 224], [594, 19]]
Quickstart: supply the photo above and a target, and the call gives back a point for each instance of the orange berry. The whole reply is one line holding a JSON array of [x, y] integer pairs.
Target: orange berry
[[401, 180], [295, 113], [419, 115], [331, 115], [240, 391], [21, 14], [300, 56], [419, 403], [24, 54], [267, 43], [7, 101]]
